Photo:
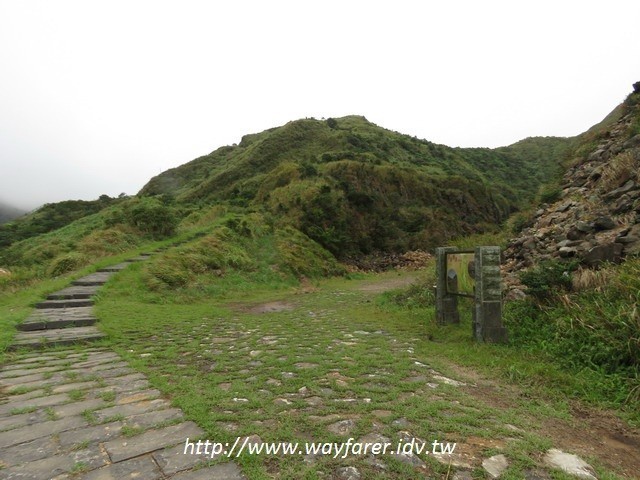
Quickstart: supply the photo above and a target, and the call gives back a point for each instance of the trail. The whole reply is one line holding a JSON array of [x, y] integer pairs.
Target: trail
[[317, 365]]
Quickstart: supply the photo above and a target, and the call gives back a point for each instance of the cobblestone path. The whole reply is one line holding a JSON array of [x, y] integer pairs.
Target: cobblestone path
[[87, 415]]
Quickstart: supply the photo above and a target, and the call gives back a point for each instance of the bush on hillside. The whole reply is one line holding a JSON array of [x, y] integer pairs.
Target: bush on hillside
[[596, 330], [520, 221], [50, 217], [67, 263], [151, 217], [108, 242], [550, 193], [548, 279], [304, 257], [209, 255]]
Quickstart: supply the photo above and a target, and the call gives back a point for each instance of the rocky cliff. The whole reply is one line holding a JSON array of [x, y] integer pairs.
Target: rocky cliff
[[596, 216]]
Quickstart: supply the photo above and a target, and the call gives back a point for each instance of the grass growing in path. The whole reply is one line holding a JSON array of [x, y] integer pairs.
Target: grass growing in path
[[336, 362]]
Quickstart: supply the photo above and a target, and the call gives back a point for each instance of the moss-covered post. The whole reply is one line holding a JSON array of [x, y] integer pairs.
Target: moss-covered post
[[446, 305], [488, 296]]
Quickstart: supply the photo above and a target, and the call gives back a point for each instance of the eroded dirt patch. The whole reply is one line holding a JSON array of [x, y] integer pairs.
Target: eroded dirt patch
[[589, 433], [268, 307], [601, 435]]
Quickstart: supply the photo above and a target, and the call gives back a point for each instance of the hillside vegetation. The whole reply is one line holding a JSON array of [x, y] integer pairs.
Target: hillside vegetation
[[49, 217], [576, 258], [356, 188], [347, 185], [268, 218]]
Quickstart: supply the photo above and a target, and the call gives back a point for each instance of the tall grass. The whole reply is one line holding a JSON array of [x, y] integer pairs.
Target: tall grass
[[593, 329]]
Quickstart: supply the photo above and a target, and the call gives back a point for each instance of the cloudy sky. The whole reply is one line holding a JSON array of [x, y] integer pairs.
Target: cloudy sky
[[98, 96]]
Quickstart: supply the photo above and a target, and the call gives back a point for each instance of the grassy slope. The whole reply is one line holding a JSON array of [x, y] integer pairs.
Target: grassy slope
[[50, 217], [220, 174], [349, 185], [355, 187]]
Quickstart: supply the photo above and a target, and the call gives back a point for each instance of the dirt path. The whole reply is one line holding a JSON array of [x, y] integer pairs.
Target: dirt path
[[589, 432], [387, 284]]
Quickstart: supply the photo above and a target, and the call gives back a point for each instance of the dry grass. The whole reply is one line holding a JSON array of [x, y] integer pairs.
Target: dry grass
[[596, 280], [621, 168]]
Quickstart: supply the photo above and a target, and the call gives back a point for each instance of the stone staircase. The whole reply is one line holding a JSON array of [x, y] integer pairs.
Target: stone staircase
[[66, 316]]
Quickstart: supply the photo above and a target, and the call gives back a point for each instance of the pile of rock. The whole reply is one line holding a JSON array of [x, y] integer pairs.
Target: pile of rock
[[597, 216], [380, 262]]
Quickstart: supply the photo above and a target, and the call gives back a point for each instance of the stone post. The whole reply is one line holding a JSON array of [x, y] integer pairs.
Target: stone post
[[443, 301], [450, 302], [487, 318]]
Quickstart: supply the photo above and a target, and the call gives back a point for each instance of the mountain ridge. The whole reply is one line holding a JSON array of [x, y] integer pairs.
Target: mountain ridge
[[399, 192]]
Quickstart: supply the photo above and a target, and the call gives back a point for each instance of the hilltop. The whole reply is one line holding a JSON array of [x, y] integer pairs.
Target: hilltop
[[355, 187]]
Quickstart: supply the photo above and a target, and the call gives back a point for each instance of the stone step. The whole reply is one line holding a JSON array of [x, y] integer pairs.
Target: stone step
[[140, 258], [94, 279], [44, 324], [73, 293], [63, 336], [65, 303], [115, 268], [47, 318]]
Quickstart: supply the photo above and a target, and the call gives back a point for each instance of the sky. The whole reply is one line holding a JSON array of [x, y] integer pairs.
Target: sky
[[97, 97]]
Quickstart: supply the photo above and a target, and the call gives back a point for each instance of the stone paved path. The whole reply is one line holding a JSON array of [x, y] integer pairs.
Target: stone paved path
[[66, 317], [87, 415]]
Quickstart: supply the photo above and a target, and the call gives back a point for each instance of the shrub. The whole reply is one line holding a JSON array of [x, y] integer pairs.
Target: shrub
[[168, 272], [107, 242], [595, 332], [620, 169], [151, 217], [211, 254], [66, 263], [550, 193], [304, 257], [417, 295], [520, 221], [548, 279]]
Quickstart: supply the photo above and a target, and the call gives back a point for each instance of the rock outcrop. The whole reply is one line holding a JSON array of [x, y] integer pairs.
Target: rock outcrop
[[596, 217]]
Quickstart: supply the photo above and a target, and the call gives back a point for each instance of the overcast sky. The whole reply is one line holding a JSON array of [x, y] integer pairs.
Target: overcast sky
[[96, 97]]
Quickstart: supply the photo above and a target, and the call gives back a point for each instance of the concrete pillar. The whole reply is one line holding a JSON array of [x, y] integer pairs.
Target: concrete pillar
[[450, 302], [444, 307], [487, 318]]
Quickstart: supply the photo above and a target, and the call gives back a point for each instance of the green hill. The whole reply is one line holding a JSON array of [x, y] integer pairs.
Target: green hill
[[49, 217], [356, 188], [345, 185]]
